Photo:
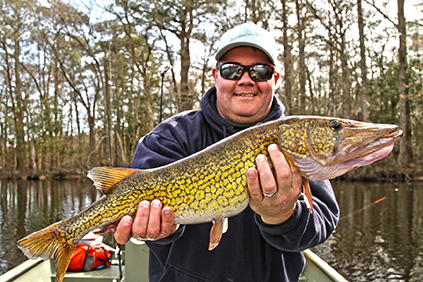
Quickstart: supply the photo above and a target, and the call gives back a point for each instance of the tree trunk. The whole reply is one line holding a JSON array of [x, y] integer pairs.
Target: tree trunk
[[148, 100], [3, 134], [186, 99], [363, 66], [346, 84], [404, 155], [19, 107], [287, 60], [108, 111], [301, 46], [332, 87]]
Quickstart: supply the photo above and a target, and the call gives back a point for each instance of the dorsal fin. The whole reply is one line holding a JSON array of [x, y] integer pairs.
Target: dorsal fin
[[105, 178]]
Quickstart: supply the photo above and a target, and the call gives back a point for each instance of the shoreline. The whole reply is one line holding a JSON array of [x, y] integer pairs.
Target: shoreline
[[363, 174]]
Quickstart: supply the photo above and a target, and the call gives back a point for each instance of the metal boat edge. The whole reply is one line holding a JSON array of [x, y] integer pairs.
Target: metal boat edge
[[136, 269]]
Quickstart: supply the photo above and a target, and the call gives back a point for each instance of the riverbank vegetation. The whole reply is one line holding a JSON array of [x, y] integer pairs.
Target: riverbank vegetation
[[80, 81]]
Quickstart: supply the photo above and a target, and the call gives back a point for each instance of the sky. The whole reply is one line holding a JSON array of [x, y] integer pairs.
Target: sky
[[412, 13]]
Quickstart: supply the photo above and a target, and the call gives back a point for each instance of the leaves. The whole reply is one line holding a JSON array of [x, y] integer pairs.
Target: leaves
[[73, 76]]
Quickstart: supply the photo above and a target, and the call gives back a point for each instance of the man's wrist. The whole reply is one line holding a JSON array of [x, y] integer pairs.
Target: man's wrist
[[279, 219]]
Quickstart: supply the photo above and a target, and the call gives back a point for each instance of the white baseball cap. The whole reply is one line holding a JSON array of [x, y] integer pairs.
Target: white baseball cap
[[248, 34]]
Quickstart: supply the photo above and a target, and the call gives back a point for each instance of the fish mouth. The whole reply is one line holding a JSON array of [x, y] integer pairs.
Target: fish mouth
[[316, 170], [362, 146], [373, 151], [395, 134]]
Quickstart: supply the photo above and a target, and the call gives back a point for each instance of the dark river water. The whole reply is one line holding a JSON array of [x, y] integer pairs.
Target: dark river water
[[373, 242], [380, 241]]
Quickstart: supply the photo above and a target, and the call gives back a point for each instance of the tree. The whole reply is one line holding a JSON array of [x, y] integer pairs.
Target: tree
[[140, 44], [182, 18], [302, 68], [71, 80], [11, 45], [337, 21], [405, 150], [405, 153], [76, 54], [288, 63], [363, 65]]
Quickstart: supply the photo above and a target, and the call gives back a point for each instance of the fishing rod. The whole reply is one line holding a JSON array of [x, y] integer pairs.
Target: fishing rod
[[363, 208]]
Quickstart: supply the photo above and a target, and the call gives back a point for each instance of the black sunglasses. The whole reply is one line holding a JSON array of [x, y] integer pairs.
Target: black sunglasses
[[234, 71]]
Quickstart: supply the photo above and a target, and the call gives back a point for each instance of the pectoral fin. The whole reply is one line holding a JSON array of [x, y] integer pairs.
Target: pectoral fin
[[219, 227], [307, 193]]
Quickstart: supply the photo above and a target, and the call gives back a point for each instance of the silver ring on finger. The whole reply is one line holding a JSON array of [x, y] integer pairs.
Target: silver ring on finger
[[270, 195], [139, 238]]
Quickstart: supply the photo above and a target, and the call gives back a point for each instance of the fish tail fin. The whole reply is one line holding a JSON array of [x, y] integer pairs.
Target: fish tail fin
[[307, 194], [48, 243]]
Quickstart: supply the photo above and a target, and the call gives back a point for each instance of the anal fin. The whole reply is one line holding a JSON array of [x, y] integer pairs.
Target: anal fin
[[219, 227], [307, 193]]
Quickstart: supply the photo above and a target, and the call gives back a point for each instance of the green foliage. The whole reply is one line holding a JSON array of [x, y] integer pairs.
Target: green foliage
[[85, 74], [384, 95]]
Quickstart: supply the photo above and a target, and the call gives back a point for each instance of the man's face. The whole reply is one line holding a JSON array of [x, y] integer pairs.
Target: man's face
[[244, 101]]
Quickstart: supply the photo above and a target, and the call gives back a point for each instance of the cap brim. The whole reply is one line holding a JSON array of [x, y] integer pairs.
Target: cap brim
[[219, 55]]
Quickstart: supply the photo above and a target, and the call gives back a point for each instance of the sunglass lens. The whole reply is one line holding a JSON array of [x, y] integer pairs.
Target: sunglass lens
[[261, 72], [231, 71]]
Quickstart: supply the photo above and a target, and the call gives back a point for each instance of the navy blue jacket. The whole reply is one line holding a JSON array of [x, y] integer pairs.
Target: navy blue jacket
[[250, 250]]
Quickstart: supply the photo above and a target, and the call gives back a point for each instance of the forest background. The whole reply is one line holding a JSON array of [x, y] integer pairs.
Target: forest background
[[80, 81]]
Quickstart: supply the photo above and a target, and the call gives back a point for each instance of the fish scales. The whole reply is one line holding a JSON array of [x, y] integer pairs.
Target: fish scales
[[198, 189], [211, 184], [205, 186]]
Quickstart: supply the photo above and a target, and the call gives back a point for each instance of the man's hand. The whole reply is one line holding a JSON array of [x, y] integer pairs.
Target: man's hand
[[151, 222], [286, 183]]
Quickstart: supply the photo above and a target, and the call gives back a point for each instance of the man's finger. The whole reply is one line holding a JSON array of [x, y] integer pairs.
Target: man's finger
[[267, 180], [167, 225], [282, 168], [253, 184], [123, 230], [139, 227], [154, 221]]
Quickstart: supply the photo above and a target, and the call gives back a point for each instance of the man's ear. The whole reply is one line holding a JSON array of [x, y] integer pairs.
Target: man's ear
[[215, 72]]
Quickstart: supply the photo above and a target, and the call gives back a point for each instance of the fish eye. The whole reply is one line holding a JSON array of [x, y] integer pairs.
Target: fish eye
[[335, 125]]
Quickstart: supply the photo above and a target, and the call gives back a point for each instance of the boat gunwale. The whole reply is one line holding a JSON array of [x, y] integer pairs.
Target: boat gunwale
[[20, 269]]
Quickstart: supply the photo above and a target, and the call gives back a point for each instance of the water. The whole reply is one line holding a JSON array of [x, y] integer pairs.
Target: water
[[383, 242], [27, 206]]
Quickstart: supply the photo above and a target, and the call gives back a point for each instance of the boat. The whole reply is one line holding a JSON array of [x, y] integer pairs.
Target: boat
[[317, 270], [135, 269]]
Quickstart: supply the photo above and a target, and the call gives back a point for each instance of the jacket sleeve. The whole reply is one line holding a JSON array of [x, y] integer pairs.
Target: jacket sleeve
[[304, 229]]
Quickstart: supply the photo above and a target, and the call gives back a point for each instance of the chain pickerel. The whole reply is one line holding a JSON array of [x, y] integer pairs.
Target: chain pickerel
[[211, 185]]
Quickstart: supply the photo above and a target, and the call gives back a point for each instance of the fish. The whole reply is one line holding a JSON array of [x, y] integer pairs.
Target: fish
[[211, 185]]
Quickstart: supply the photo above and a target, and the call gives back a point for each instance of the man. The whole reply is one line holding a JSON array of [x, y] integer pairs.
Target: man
[[265, 241]]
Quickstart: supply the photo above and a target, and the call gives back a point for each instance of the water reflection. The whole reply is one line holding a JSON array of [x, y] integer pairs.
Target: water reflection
[[383, 242], [27, 206]]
